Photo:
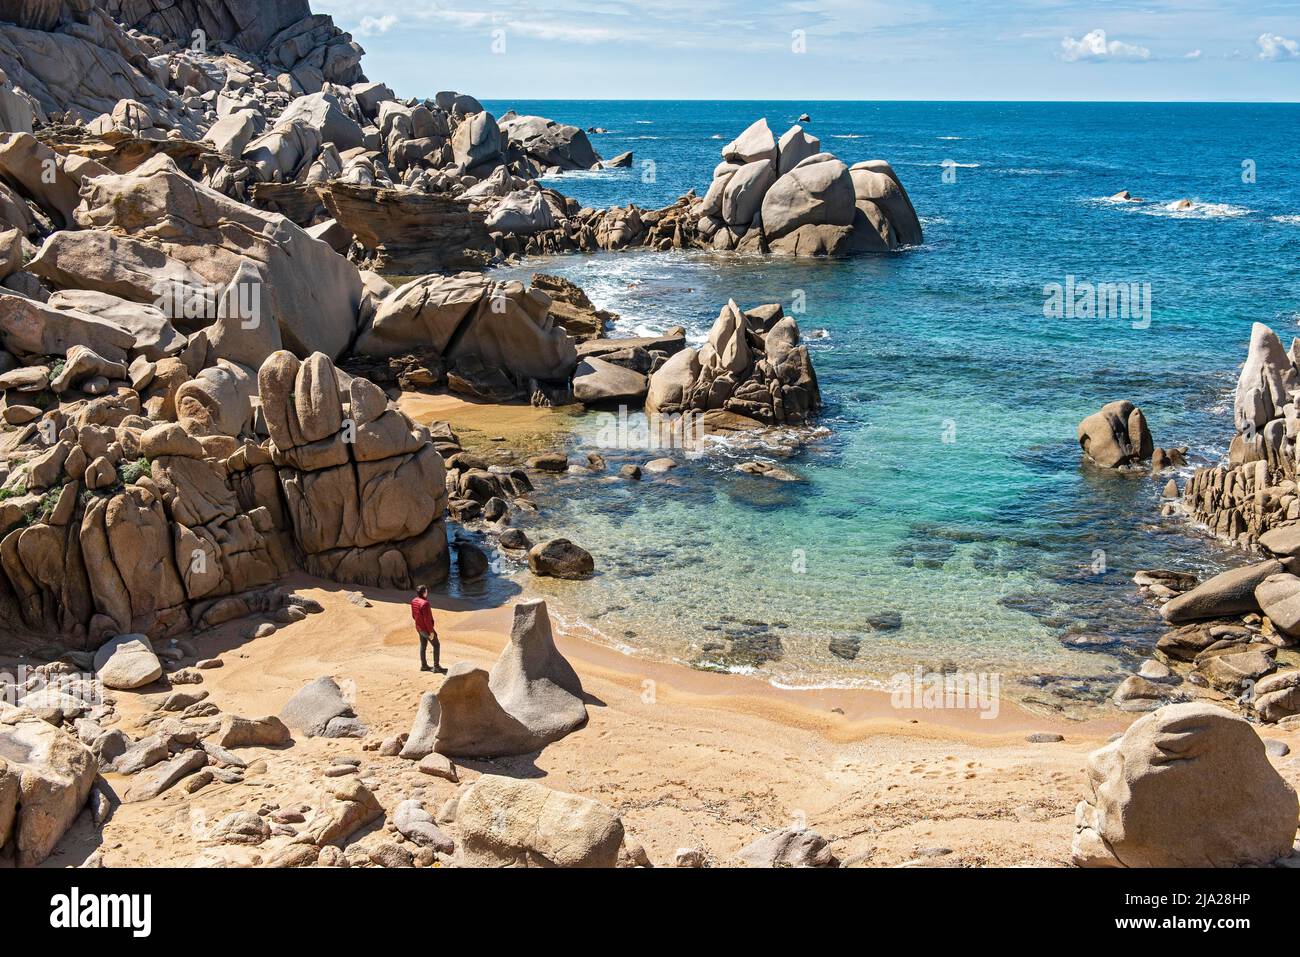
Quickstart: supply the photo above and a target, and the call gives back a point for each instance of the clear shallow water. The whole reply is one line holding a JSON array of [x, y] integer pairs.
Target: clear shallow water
[[986, 545]]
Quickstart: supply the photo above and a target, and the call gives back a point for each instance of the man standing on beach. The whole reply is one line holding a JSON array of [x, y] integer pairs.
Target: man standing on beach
[[422, 612]]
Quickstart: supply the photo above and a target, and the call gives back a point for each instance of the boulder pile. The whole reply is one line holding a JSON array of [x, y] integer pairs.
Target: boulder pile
[[753, 366], [783, 196], [787, 196], [123, 515], [1255, 490]]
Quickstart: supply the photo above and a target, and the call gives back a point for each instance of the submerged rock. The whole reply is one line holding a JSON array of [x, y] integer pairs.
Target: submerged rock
[[561, 558]]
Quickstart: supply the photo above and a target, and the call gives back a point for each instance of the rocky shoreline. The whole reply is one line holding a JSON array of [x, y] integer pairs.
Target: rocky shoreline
[[1234, 638], [226, 256]]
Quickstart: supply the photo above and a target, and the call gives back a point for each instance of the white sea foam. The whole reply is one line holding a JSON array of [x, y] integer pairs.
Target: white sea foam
[[1287, 220], [848, 684], [848, 136], [1197, 210], [948, 137]]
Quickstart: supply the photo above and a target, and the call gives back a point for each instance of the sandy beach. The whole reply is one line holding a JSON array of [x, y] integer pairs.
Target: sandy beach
[[689, 759]]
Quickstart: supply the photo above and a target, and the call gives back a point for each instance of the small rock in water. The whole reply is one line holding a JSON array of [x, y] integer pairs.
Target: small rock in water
[[846, 647], [630, 472], [658, 466], [1089, 641], [548, 462], [514, 539], [885, 621]]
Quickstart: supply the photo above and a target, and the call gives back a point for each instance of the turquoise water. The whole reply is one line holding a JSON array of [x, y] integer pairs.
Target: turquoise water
[[990, 545]]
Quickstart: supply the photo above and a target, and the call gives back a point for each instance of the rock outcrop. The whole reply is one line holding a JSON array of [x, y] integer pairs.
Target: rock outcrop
[[754, 366], [364, 488], [311, 293], [470, 318], [1255, 489], [45, 778], [118, 521], [1116, 437], [1186, 786], [531, 697]]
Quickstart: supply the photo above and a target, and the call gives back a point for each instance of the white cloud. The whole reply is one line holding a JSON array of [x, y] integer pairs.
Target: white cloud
[[373, 26], [1192, 55], [1093, 46], [1274, 47]]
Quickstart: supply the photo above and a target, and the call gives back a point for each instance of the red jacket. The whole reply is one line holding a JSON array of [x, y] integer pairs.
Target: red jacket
[[423, 615]]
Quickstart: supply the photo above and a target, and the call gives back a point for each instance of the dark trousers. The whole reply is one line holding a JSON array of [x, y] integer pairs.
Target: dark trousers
[[425, 641]]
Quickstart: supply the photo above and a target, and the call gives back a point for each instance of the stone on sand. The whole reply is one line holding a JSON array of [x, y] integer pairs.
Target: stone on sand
[[792, 847], [1189, 785], [320, 710], [504, 822], [127, 662]]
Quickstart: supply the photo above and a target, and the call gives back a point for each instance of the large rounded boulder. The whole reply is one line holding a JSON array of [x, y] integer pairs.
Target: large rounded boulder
[[814, 194], [1116, 436], [1189, 785]]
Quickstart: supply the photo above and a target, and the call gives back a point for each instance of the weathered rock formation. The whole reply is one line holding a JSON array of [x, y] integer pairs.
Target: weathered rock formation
[[500, 326], [1186, 786], [1117, 436], [531, 697], [753, 366], [1255, 490], [45, 777], [117, 523]]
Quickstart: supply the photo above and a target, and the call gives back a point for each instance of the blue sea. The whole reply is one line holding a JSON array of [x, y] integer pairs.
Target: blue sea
[[948, 491]]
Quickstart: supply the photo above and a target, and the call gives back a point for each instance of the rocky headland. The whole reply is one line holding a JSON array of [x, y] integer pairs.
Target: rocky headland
[[227, 259]]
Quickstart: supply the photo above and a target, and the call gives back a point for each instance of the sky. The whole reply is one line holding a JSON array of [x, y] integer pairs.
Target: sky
[[1110, 50]]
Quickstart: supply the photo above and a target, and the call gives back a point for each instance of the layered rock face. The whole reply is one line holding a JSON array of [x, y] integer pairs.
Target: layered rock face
[[754, 366], [1186, 786], [1255, 489], [364, 489], [501, 326], [115, 523]]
